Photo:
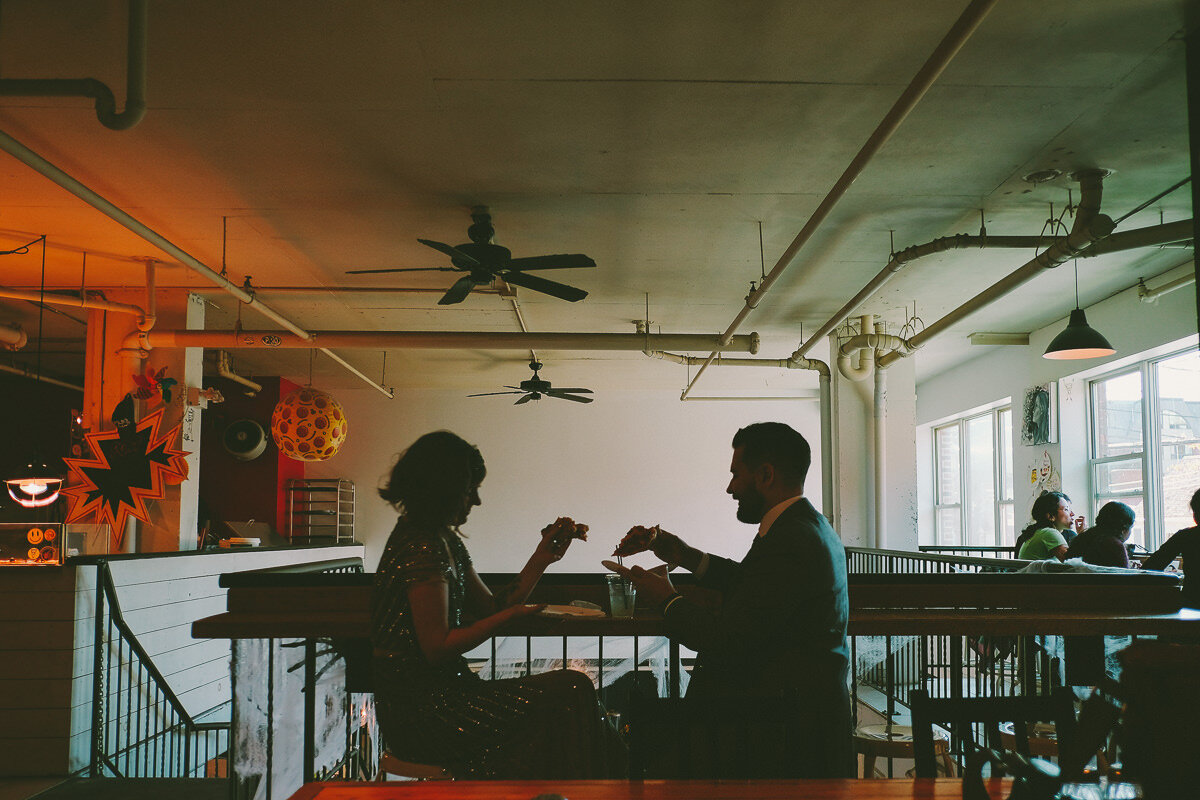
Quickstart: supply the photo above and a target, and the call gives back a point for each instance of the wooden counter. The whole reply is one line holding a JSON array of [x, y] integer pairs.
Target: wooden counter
[[898, 789]]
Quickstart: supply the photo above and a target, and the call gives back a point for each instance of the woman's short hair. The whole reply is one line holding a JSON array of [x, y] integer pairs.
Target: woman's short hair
[[433, 476], [1115, 516]]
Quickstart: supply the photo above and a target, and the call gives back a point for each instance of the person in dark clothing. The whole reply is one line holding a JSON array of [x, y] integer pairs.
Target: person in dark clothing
[[781, 627], [1103, 544], [1185, 542]]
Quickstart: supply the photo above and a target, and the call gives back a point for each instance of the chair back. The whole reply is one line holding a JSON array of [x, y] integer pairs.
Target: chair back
[[960, 712]]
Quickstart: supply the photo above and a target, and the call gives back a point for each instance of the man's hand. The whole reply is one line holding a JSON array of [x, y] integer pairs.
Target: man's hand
[[667, 546], [653, 585]]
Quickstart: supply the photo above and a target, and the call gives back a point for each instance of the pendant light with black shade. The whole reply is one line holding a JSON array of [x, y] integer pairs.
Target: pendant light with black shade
[[36, 484], [1078, 340]]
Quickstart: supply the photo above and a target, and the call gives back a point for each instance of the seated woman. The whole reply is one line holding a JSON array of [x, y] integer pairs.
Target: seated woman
[[430, 607], [1103, 544], [1185, 542], [1046, 538]]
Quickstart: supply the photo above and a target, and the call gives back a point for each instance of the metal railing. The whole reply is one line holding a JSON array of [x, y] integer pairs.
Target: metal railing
[[139, 727], [980, 551], [899, 562]]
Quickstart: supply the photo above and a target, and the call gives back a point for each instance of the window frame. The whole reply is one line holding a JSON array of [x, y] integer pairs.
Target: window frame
[[1153, 526], [1001, 461]]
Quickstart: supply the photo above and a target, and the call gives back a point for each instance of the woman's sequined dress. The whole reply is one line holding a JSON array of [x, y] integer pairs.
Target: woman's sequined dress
[[543, 726]]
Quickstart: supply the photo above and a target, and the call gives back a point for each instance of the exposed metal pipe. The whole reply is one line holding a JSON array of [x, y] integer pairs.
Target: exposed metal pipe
[[879, 418], [147, 320], [1153, 236], [12, 336], [269, 340], [957, 36], [1148, 295], [225, 370], [28, 373], [106, 105], [54, 298], [41, 165], [874, 344], [1090, 226], [825, 396]]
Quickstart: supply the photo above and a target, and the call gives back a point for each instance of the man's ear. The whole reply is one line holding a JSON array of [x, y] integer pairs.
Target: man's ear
[[764, 475]]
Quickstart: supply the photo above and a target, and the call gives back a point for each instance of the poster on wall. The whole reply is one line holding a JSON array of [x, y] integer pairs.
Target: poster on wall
[[1039, 417]]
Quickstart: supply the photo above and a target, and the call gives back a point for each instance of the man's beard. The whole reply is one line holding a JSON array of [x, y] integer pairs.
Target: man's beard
[[751, 507]]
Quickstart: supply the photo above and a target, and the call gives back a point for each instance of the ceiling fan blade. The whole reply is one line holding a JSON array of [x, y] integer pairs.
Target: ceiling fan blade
[[489, 394], [405, 269], [453, 252], [563, 396], [524, 399], [552, 288], [572, 390], [458, 292], [560, 261]]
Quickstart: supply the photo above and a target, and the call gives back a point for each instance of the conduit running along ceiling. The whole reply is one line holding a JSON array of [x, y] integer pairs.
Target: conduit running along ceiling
[[654, 139]]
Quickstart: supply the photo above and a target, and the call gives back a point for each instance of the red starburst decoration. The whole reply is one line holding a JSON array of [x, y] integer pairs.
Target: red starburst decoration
[[123, 474]]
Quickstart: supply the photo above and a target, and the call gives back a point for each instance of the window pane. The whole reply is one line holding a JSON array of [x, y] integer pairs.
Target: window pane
[[1178, 382], [949, 527], [1008, 528], [980, 481], [1006, 456], [946, 447], [1117, 410]]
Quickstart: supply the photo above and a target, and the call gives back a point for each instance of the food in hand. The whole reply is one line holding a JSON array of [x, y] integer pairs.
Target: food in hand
[[611, 566], [638, 540]]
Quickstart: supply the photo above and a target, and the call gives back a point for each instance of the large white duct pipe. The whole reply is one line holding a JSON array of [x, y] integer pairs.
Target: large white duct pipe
[[1090, 226], [55, 299], [31, 159], [879, 418], [955, 38], [870, 344]]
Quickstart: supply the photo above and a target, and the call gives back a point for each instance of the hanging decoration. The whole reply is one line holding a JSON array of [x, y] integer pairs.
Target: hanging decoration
[[308, 425], [132, 464], [154, 383]]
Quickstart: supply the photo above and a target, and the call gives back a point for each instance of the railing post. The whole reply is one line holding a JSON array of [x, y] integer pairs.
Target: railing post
[[98, 673]]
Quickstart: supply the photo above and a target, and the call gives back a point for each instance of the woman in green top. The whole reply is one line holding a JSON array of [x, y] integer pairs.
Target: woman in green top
[[1045, 538]]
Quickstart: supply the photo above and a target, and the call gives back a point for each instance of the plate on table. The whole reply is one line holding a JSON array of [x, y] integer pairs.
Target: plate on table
[[571, 611]]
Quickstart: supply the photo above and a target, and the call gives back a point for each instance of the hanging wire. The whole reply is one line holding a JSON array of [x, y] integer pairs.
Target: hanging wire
[[224, 232], [23, 249], [1075, 263], [83, 274], [311, 355], [383, 372], [41, 308], [762, 258]]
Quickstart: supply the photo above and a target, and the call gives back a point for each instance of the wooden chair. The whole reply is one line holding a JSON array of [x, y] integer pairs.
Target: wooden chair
[[1057, 707], [410, 770], [896, 741]]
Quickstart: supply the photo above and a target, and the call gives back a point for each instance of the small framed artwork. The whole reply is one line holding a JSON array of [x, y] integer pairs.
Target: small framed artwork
[[1039, 417]]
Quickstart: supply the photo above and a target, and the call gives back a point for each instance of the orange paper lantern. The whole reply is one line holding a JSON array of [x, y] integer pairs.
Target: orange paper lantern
[[308, 425]]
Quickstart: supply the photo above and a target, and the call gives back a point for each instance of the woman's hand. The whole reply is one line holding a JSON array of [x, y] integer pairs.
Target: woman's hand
[[556, 538], [522, 610]]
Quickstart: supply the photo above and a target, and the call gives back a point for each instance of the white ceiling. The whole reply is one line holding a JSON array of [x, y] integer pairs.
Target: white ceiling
[[654, 137]]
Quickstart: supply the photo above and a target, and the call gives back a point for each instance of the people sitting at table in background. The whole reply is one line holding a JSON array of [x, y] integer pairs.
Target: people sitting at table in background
[[1103, 544], [430, 607], [1052, 529], [1186, 543], [781, 627]]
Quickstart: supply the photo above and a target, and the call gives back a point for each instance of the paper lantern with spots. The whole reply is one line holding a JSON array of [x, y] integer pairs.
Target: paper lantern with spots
[[308, 425]]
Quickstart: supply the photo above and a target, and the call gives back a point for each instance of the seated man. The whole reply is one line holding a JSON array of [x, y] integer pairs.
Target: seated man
[[781, 627]]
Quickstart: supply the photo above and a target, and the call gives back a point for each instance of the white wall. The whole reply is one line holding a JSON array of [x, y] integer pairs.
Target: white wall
[[1134, 328], [631, 457]]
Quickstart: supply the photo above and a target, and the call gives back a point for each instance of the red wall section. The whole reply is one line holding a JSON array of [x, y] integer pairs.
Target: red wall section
[[235, 490]]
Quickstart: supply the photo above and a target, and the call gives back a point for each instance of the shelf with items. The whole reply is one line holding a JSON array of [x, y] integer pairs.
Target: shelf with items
[[320, 511]]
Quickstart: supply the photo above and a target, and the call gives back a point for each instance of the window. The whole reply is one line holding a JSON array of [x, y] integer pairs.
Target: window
[[1145, 450], [973, 484]]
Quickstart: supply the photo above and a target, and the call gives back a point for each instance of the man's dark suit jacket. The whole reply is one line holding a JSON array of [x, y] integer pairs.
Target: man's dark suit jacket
[[781, 628]]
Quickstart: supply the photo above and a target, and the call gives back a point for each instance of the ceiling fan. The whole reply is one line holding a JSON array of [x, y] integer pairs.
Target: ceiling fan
[[535, 388], [483, 261]]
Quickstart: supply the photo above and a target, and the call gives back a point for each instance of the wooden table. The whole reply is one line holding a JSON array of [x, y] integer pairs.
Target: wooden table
[[899, 789]]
